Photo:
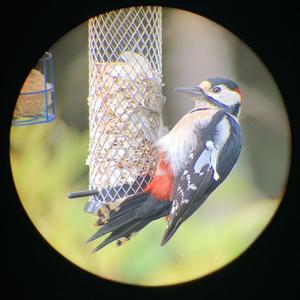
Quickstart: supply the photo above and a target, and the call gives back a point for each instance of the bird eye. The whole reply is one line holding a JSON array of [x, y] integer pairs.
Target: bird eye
[[216, 89]]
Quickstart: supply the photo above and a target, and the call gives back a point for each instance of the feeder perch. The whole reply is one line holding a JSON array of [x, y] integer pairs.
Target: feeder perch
[[125, 102], [36, 102]]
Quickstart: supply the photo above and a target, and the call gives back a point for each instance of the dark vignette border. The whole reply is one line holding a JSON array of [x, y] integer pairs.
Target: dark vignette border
[[29, 264]]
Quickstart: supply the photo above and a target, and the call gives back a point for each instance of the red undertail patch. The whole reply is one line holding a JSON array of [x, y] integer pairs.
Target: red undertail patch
[[162, 183]]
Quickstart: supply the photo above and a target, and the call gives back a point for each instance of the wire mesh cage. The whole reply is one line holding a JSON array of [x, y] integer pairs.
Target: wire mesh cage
[[125, 101], [36, 101]]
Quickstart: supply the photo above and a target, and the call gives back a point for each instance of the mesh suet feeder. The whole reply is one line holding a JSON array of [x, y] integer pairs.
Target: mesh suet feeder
[[125, 102], [36, 101]]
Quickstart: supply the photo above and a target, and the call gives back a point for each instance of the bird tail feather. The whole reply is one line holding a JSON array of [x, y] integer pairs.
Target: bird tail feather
[[133, 214]]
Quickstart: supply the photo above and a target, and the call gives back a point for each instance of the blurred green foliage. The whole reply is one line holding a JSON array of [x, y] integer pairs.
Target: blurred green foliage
[[48, 161]]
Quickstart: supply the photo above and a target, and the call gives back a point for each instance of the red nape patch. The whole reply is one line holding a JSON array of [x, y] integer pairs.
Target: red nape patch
[[240, 92]]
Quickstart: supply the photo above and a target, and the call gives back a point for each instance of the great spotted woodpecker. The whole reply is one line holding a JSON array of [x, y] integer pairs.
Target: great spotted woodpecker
[[194, 158]]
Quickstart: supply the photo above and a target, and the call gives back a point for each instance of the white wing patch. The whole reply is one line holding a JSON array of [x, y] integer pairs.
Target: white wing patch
[[208, 157], [212, 149]]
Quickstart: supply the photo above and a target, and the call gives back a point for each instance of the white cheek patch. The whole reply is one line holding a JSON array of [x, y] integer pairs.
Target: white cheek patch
[[226, 97]]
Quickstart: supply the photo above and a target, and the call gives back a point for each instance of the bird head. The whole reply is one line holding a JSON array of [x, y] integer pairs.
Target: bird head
[[216, 92]]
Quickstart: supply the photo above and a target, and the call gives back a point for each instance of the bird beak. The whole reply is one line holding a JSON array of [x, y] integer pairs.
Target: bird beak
[[193, 91]]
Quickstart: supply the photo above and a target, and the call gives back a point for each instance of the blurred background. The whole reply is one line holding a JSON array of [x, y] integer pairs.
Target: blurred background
[[49, 160]]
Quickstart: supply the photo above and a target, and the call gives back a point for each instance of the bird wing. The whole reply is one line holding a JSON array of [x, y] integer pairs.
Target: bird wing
[[216, 151]]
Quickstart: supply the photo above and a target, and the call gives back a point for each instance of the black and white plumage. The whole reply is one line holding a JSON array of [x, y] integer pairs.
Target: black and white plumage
[[209, 162], [195, 158]]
